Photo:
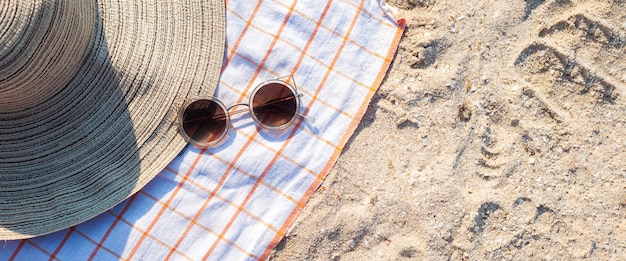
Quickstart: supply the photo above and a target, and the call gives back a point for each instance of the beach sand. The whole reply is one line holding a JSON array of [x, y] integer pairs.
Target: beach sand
[[498, 133]]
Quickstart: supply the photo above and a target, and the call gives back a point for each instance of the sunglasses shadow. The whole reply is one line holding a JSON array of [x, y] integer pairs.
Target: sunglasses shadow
[[268, 135], [228, 140], [282, 135]]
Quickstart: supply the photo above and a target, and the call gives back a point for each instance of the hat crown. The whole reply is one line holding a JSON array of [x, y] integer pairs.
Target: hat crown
[[42, 45]]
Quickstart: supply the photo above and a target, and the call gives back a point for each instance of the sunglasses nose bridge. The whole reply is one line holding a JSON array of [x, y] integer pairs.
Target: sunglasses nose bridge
[[238, 104], [231, 112]]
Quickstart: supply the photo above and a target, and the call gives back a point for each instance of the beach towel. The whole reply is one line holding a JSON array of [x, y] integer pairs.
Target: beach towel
[[236, 201]]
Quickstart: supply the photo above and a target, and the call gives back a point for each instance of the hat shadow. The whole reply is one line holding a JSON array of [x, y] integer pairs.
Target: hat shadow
[[76, 154]]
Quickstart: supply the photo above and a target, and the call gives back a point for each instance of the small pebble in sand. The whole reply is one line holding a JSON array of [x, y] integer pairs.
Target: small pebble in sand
[[352, 244], [531, 161]]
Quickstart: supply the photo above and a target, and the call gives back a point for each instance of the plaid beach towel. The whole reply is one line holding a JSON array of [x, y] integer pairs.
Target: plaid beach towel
[[236, 201]]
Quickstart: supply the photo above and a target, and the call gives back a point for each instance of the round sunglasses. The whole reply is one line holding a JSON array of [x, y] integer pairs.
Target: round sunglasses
[[273, 105]]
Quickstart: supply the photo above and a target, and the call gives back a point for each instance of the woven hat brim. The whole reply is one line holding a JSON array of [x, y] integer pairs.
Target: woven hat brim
[[113, 128]]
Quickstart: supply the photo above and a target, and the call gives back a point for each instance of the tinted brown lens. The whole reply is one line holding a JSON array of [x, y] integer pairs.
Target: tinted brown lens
[[204, 121], [274, 104]]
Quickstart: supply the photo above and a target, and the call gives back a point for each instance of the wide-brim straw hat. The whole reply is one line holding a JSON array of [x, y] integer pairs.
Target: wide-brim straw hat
[[89, 95]]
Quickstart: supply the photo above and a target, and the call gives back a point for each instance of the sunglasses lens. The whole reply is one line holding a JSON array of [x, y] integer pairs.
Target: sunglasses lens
[[274, 105], [204, 122]]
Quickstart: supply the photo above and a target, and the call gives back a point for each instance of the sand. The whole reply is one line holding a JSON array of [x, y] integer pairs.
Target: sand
[[497, 134]]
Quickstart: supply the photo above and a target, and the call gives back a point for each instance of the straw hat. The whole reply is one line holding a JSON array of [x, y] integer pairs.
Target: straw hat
[[89, 93]]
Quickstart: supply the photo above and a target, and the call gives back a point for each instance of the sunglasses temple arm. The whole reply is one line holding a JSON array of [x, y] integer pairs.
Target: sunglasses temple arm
[[222, 116], [230, 112], [215, 117], [288, 76], [272, 102], [309, 119]]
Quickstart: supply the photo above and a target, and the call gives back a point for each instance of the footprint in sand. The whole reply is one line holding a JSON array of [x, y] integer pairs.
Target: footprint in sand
[[575, 68]]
